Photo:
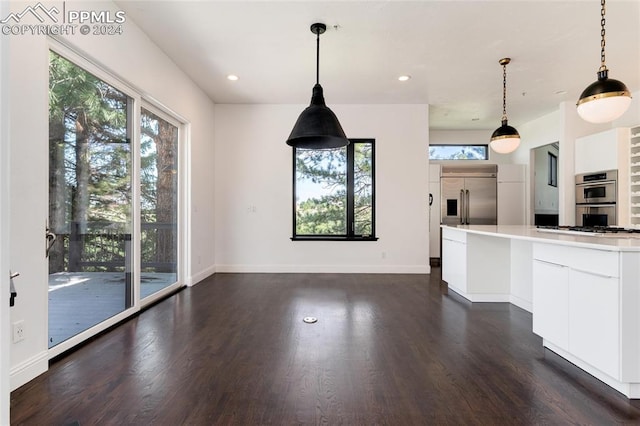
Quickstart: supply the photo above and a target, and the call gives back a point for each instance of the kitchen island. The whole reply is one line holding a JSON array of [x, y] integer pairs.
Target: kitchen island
[[583, 290]]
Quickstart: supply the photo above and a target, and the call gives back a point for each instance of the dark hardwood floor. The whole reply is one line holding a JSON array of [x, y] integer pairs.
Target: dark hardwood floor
[[386, 350]]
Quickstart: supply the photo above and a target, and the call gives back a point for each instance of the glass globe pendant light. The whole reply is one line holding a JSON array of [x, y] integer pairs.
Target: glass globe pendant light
[[606, 99], [505, 139], [317, 126]]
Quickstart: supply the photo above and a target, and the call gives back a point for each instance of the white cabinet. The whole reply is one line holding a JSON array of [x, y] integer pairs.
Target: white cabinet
[[511, 194], [454, 260], [476, 267], [550, 302], [634, 177], [606, 150], [576, 303], [594, 327]]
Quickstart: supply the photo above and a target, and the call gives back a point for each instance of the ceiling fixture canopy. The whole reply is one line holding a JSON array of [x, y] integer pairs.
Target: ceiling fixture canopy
[[505, 139], [317, 126], [606, 99]]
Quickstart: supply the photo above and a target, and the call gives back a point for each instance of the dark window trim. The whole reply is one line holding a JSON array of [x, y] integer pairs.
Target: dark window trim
[[350, 236], [552, 162], [486, 147]]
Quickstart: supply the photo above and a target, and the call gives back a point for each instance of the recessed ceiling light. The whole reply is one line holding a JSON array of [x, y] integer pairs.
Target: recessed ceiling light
[[232, 77], [404, 77]]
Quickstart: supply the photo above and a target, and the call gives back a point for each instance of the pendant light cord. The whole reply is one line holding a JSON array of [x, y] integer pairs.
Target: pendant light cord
[[318, 57], [504, 92], [603, 67]]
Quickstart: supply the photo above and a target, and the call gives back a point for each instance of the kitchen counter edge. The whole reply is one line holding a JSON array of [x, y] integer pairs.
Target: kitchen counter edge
[[531, 233]]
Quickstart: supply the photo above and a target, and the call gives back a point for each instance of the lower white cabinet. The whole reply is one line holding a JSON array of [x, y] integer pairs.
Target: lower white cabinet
[[594, 320], [454, 263], [578, 310], [551, 302]]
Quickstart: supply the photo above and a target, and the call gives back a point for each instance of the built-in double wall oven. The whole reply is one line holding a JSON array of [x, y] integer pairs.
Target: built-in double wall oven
[[596, 198]]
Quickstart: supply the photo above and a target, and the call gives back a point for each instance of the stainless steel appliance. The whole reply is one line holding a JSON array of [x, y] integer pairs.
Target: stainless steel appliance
[[596, 198], [468, 195], [595, 214], [597, 188]]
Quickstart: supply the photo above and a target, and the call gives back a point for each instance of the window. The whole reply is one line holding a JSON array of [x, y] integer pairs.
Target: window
[[334, 192], [553, 170], [158, 202], [458, 152]]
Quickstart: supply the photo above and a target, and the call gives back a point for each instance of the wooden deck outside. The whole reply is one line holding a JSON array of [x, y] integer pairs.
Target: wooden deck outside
[[80, 300]]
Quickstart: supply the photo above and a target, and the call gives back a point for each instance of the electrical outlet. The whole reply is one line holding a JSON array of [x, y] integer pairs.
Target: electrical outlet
[[18, 331]]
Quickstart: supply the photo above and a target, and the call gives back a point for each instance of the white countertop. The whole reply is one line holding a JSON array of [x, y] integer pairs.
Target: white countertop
[[610, 242]]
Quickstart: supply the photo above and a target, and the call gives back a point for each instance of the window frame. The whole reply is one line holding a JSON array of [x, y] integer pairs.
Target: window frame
[[350, 201], [552, 164], [485, 146]]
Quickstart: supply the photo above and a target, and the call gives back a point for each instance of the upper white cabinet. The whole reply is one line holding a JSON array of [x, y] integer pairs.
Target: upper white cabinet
[[607, 150], [511, 194]]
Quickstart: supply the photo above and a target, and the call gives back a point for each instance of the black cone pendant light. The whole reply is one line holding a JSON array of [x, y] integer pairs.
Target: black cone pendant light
[[505, 139], [317, 127], [606, 99]]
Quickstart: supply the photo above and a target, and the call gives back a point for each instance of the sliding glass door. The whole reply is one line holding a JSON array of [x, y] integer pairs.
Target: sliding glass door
[[111, 246], [90, 200]]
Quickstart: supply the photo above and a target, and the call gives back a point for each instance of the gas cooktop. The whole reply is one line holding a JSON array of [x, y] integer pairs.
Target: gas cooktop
[[594, 230]]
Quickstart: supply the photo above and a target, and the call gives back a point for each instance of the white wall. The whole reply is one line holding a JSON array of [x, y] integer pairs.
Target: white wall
[[5, 258], [254, 168], [28, 142], [139, 63]]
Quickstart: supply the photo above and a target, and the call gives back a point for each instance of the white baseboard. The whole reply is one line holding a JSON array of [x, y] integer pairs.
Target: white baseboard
[[628, 389], [483, 297], [28, 370], [522, 303], [335, 269], [196, 278]]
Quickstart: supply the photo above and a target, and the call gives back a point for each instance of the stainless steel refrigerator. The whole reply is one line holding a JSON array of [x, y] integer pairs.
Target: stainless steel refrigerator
[[469, 195]]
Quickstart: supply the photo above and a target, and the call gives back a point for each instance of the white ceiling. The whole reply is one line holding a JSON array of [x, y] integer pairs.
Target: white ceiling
[[450, 48]]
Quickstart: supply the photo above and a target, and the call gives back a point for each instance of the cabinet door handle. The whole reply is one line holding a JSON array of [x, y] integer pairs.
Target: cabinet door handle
[[557, 265], [597, 274]]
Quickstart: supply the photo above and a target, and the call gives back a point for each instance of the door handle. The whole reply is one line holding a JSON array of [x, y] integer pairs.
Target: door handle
[[12, 290], [466, 203], [51, 239], [462, 207]]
